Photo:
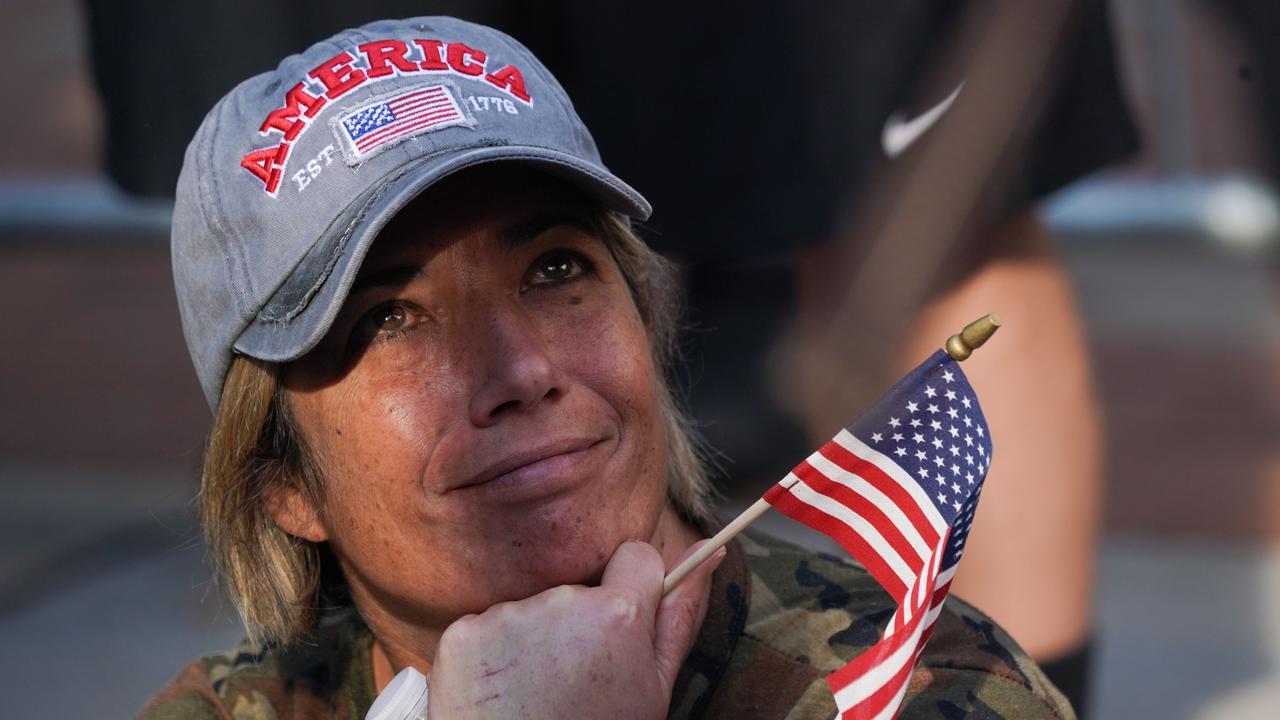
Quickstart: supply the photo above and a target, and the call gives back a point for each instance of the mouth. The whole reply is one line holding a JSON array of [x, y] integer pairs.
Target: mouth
[[545, 465]]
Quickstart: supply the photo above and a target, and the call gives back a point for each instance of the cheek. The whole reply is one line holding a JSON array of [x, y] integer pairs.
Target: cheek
[[604, 345], [609, 355], [375, 427]]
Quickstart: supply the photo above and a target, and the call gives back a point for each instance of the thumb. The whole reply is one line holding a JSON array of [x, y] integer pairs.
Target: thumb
[[679, 615]]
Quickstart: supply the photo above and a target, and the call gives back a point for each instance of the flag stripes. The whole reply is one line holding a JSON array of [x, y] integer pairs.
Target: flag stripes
[[897, 490]]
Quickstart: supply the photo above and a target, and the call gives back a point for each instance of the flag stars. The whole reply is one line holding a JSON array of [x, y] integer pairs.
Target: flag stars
[[967, 421], [894, 422], [911, 406], [953, 413], [897, 437], [969, 477], [939, 461], [955, 487], [950, 395], [955, 469], [965, 401], [937, 443], [942, 498], [930, 392], [968, 458], [915, 422], [918, 438], [941, 480], [955, 451], [876, 437], [933, 408], [955, 432], [935, 425], [921, 455], [946, 375], [980, 431], [900, 452], [982, 450], [968, 440], [956, 504]]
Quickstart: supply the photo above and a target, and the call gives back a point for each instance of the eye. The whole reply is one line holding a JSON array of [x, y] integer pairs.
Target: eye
[[556, 268], [386, 320]]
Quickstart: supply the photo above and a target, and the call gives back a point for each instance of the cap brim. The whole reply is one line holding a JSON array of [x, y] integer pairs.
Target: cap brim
[[304, 307]]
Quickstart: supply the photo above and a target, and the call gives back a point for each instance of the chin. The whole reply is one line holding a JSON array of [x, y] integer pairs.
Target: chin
[[569, 549]]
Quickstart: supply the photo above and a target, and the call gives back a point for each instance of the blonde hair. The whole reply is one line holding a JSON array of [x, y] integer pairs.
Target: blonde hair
[[280, 582]]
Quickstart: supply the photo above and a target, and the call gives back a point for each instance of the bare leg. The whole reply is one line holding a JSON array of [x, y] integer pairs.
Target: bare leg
[[1029, 562]]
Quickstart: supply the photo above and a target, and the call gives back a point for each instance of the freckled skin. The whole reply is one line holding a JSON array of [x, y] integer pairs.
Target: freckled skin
[[486, 364]]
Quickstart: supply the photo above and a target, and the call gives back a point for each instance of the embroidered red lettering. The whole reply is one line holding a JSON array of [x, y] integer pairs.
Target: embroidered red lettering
[[286, 117], [338, 76], [383, 58], [432, 57], [510, 79], [461, 56], [380, 52], [267, 165]]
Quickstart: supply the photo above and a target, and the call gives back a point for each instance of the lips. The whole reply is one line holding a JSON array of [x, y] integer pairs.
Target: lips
[[535, 465]]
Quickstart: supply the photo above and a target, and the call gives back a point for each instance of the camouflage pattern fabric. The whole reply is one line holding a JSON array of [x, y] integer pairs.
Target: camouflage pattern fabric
[[781, 619]]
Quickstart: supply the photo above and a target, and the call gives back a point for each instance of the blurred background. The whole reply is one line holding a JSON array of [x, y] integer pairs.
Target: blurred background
[[1170, 245]]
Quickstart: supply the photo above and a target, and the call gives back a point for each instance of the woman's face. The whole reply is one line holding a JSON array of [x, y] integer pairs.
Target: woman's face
[[484, 407]]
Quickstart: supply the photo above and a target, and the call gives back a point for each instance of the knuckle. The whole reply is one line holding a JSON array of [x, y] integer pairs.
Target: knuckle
[[560, 596], [466, 629], [621, 609]]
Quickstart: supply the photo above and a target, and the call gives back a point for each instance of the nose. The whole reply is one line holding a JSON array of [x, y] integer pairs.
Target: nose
[[518, 371]]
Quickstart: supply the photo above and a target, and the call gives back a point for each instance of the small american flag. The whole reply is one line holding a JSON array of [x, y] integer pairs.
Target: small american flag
[[376, 126], [897, 489]]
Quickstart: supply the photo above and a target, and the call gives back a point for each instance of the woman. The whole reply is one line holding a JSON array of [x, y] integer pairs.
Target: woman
[[453, 448]]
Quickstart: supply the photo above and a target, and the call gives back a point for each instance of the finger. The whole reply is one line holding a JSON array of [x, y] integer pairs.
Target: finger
[[636, 570], [679, 615], [688, 553]]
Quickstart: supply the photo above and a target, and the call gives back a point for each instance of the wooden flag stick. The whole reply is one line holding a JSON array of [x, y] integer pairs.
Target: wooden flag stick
[[959, 346]]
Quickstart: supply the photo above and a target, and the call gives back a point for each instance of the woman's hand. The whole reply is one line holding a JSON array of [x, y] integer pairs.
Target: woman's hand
[[611, 651]]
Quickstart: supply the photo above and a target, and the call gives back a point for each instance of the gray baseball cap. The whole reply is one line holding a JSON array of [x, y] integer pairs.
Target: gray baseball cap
[[292, 175]]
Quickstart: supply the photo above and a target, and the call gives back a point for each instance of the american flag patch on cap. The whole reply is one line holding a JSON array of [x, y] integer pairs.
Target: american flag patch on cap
[[383, 122]]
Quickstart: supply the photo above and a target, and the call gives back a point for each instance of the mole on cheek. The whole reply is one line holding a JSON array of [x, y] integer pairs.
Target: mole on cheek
[[575, 300], [338, 430]]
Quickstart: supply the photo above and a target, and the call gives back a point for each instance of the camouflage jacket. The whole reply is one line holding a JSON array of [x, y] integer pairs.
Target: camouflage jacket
[[781, 619]]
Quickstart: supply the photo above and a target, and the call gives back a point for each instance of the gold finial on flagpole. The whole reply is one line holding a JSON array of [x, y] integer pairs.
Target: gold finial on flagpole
[[974, 335]]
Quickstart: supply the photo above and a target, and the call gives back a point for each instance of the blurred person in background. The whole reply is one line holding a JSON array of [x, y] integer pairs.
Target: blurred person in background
[[793, 103], [442, 439]]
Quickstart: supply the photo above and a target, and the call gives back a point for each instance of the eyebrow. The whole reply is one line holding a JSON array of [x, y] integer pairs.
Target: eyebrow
[[395, 276], [524, 231]]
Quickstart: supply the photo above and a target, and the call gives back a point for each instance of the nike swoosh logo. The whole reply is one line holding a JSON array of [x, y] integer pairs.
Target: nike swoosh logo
[[899, 132]]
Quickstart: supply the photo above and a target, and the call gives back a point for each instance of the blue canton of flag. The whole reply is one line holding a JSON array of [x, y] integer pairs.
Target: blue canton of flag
[[930, 425], [897, 489], [369, 119]]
